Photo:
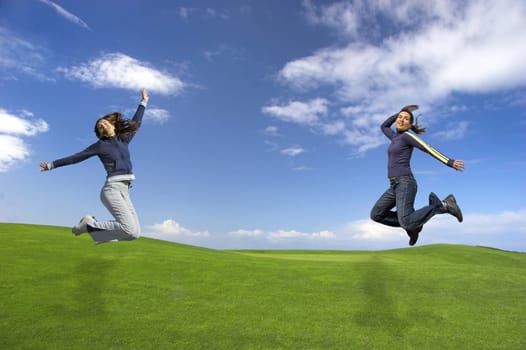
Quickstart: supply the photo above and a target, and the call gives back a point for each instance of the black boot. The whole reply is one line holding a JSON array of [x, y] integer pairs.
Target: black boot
[[413, 235], [452, 207]]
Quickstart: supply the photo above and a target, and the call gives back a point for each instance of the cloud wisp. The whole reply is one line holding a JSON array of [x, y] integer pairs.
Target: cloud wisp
[[18, 55], [186, 13], [66, 14], [292, 151]]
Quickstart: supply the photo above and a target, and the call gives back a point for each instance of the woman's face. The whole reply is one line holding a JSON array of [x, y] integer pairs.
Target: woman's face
[[403, 121], [106, 128]]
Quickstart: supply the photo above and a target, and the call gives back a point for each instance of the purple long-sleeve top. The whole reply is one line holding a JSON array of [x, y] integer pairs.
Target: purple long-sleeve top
[[401, 148]]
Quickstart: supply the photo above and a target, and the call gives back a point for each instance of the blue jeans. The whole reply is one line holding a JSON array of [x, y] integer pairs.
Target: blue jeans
[[115, 196], [401, 194]]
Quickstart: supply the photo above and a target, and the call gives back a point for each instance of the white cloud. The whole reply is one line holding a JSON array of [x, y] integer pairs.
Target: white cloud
[[271, 130], [272, 146], [292, 151], [367, 230], [333, 128], [340, 15], [420, 52], [293, 234], [362, 140], [454, 131], [210, 12], [11, 124], [503, 230], [66, 14], [281, 238], [171, 227], [284, 235], [13, 149], [171, 230], [157, 115], [118, 70], [223, 50], [302, 168], [205, 13], [184, 12], [246, 233], [499, 224], [304, 113]]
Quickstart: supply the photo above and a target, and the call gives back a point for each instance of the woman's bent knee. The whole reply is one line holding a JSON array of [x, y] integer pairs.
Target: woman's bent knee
[[376, 217], [132, 231]]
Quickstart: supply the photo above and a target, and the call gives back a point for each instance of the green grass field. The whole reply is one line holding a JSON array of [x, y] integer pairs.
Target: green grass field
[[58, 291]]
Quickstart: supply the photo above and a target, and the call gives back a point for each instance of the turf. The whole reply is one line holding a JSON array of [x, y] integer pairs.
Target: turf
[[58, 291]]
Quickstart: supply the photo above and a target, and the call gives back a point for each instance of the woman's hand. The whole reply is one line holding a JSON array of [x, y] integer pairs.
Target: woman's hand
[[458, 165], [44, 166], [410, 108], [144, 95]]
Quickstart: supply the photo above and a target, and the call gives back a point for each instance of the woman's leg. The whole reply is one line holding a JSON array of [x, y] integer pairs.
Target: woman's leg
[[382, 213], [116, 198], [411, 219]]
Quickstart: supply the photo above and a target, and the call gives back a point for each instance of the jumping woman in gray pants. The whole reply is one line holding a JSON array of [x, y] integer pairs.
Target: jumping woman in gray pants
[[115, 134]]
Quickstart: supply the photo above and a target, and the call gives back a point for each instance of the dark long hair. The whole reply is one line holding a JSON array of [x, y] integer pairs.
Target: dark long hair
[[123, 127], [414, 127]]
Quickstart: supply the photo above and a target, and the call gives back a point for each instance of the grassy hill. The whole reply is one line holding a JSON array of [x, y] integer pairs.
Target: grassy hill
[[58, 291]]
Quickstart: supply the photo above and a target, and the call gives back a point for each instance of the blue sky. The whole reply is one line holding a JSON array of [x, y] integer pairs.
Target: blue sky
[[262, 129]]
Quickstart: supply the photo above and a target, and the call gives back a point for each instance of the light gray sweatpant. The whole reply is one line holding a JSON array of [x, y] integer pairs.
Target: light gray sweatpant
[[115, 195]]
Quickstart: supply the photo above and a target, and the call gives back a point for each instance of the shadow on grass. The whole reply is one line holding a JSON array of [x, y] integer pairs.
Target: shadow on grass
[[380, 308], [92, 275]]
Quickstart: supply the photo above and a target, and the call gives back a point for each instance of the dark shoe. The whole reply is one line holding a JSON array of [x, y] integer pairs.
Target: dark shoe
[[82, 226], [434, 200], [452, 207], [413, 235]]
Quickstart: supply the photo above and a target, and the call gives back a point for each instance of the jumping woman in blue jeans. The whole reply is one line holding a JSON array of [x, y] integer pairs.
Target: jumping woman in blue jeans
[[114, 134], [402, 191]]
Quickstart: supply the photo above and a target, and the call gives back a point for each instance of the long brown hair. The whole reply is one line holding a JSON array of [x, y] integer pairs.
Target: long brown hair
[[122, 126], [414, 127]]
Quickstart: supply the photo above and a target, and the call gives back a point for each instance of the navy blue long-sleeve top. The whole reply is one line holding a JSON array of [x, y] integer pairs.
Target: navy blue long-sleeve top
[[400, 150], [112, 151]]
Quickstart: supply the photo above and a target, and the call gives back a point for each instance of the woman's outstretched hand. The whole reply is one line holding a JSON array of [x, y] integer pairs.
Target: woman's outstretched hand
[[44, 166], [144, 95], [458, 165]]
